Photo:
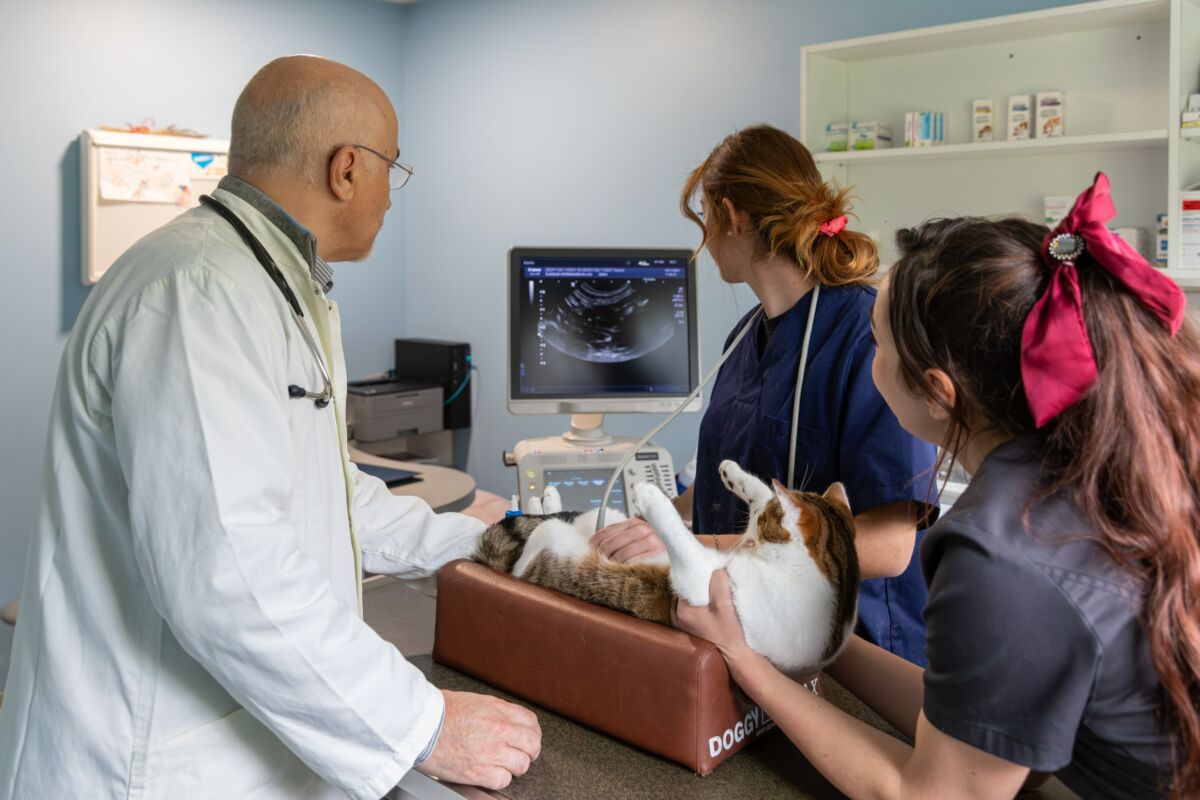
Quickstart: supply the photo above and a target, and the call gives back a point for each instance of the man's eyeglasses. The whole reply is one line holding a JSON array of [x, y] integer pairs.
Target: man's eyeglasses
[[398, 174]]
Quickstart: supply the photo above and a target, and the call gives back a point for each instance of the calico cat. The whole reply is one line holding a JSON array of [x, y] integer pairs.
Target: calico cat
[[794, 571]]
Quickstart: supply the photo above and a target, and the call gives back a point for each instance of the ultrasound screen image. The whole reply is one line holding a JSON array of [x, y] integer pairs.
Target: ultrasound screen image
[[582, 489], [604, 321], [592, 328]]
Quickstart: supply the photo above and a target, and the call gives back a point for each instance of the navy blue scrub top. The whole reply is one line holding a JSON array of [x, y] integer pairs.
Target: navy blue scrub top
[[845, 432]]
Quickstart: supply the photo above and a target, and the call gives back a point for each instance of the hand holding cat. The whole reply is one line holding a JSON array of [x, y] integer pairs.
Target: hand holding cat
[[626, 540], [717, 622]]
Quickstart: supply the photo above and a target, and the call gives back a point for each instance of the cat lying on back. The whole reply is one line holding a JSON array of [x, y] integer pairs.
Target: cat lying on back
[[794, 571]]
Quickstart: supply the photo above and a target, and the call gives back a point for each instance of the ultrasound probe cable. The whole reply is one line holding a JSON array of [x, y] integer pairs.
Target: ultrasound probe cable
[[695, 393]]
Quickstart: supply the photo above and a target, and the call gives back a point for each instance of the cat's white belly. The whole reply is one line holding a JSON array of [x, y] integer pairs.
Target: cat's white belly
[[786, 610], [567, 540]]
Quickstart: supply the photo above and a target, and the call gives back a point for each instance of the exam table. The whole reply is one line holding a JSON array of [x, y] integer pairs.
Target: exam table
[[581, 764]]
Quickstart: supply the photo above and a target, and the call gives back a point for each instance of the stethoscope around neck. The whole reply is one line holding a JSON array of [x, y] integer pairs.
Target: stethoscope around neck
[[750, 323], [322, 398]]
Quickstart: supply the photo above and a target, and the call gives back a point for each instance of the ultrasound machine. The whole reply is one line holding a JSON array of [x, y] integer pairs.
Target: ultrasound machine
[[596, 331]]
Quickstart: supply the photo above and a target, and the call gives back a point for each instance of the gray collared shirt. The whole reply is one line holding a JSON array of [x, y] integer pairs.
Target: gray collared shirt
[[306, 243]]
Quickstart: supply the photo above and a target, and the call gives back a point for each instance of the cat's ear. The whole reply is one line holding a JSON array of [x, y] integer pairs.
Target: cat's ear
[[791, 511], [836, 494]]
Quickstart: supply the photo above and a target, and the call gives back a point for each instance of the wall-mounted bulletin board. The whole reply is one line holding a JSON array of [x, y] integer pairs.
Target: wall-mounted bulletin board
[[133, 183]]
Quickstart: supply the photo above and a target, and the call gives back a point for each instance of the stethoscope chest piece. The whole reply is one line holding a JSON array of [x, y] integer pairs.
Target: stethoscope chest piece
[[299, 393]]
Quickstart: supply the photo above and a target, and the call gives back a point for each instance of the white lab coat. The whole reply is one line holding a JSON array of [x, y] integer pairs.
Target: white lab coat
[[190, 623]]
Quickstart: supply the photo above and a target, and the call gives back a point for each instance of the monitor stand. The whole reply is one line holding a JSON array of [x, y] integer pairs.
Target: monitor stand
[[586, 430]]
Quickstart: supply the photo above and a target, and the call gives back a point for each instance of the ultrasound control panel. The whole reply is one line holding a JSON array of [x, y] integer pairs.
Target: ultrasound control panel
[[581, 473], [650, 466]]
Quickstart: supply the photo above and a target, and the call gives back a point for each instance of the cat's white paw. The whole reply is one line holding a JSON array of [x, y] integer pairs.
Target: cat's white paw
[[652, 504], [551, 501], [743, 485], [732, 476], [533, 505], [634, 501]]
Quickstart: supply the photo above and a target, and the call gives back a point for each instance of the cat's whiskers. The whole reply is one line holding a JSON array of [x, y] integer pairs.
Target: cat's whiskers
[[809, 470], [741, 542]]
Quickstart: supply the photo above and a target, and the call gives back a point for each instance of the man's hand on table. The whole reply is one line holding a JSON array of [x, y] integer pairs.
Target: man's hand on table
[[484, 741]]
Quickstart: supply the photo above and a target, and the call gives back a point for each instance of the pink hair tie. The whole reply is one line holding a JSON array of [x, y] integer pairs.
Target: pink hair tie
[[834, 226]]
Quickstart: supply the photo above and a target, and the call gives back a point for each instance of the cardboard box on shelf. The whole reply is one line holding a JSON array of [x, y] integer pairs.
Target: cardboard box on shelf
[[1160, 240], [837, 136], [1189, 230], [983, 120], [870, 135], [1020, 116], [924, 128], [1050, 114]]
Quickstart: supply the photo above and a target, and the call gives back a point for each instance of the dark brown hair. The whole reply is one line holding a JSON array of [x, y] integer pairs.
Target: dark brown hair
[[772, 177], [1128, 453]]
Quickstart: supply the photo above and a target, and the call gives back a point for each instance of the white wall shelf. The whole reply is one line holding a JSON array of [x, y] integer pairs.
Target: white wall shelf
[[1031, 26], [1063, 144], [1126, 67]]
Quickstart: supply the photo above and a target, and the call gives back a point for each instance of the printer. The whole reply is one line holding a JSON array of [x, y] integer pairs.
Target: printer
[[379, 411]]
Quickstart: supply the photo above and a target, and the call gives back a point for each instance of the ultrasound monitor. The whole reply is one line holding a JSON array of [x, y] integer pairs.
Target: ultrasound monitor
[[595, 331]]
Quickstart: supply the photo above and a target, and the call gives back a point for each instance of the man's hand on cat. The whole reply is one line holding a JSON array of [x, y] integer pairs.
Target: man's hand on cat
[[717, 622], [627, 540], [484, 741]]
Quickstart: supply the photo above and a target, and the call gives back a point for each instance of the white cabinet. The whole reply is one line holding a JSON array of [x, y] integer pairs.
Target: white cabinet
[[1126, 67]]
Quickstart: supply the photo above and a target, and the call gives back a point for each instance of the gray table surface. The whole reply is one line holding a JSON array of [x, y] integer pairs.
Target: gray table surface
[[582, 764]]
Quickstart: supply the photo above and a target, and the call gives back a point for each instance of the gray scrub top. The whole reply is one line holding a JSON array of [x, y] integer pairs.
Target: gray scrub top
[[1034, 646]]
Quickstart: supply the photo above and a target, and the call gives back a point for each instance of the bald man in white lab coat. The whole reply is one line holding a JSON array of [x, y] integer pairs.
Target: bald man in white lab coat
[[191, 623]]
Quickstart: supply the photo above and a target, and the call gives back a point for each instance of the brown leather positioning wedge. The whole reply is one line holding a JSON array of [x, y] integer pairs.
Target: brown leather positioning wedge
[[646, 684]]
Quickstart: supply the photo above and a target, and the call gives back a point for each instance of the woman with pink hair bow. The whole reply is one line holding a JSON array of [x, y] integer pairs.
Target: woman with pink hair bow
[[1063, 622]]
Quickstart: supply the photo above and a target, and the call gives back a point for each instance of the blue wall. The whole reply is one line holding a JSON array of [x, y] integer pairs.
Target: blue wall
[[575, 123], [74, 64]]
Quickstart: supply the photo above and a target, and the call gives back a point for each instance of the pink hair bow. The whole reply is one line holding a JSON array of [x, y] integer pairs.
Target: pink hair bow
[[834, 226], [1058, 365]]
